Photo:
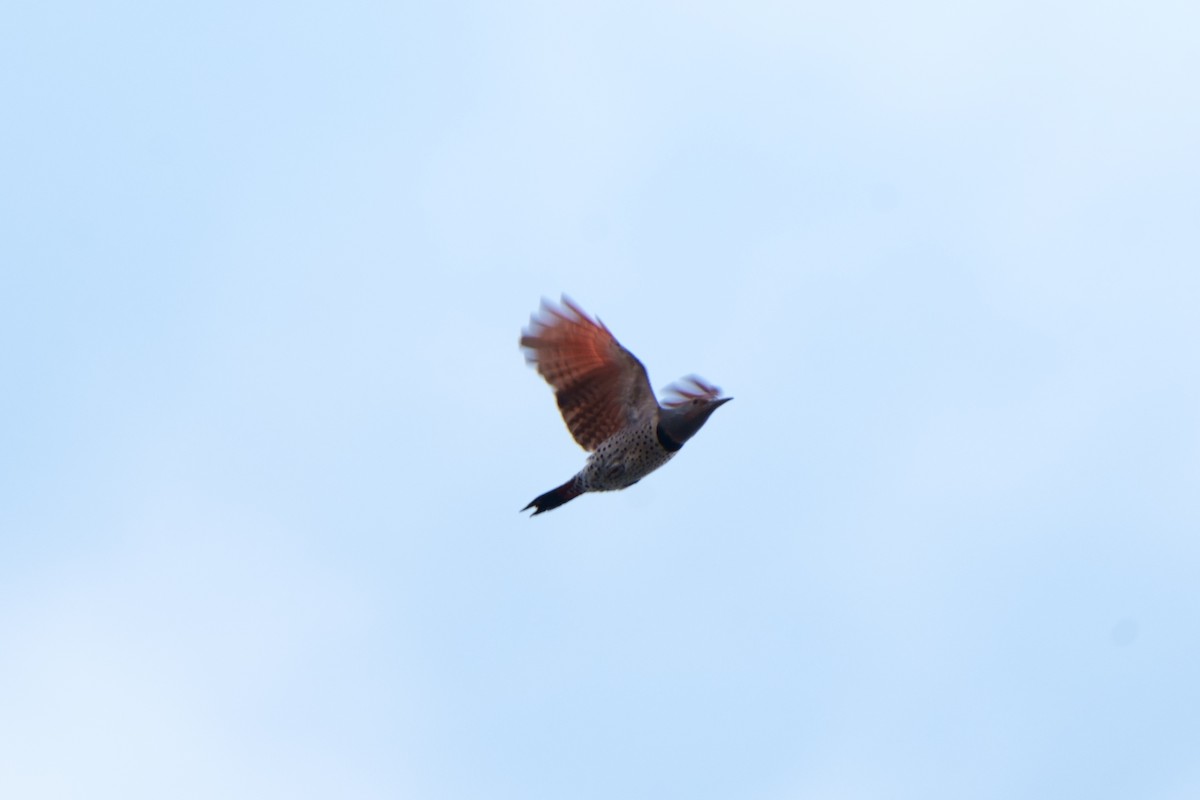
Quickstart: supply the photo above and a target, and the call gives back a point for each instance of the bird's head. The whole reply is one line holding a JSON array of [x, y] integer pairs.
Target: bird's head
[[688, 409]]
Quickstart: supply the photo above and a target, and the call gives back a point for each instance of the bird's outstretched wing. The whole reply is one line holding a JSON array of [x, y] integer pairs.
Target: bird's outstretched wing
[[688, 389], [600, 386]]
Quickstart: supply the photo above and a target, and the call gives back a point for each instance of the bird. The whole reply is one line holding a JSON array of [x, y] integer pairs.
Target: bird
[[604, 395]]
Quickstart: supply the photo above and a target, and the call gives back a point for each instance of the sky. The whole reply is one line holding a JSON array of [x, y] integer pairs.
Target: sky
[[266, 426]]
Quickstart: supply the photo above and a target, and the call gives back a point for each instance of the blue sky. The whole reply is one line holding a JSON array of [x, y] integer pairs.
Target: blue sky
[[267, 428]]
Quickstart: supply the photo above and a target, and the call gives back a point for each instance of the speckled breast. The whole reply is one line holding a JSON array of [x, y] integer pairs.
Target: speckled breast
[[624, 458]]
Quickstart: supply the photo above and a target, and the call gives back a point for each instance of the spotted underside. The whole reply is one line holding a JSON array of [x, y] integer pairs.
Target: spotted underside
[[624, 459]]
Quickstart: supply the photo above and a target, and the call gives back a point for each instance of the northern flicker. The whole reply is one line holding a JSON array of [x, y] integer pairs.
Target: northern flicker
[[608, 405]]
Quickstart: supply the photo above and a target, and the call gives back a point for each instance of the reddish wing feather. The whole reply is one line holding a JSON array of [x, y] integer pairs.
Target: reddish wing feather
[[600, 386], [688, 389]]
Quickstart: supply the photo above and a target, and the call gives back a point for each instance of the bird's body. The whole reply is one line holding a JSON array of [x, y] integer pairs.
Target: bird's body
[[624, 458], [606, 400]]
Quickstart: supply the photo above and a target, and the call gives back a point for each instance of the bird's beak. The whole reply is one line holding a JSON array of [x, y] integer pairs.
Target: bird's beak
[[721, 402]]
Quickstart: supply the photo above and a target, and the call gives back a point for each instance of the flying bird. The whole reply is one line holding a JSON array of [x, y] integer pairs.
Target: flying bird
[[606, 400]]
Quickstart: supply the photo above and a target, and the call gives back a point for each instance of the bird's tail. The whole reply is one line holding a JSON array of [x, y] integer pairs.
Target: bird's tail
[[555, 497]]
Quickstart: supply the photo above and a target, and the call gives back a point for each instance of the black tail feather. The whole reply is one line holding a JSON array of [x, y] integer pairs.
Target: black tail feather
[[555, 497]]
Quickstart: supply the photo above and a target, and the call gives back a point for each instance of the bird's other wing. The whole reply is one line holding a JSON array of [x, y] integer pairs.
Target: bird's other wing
[[688, 389], [601, 387]]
